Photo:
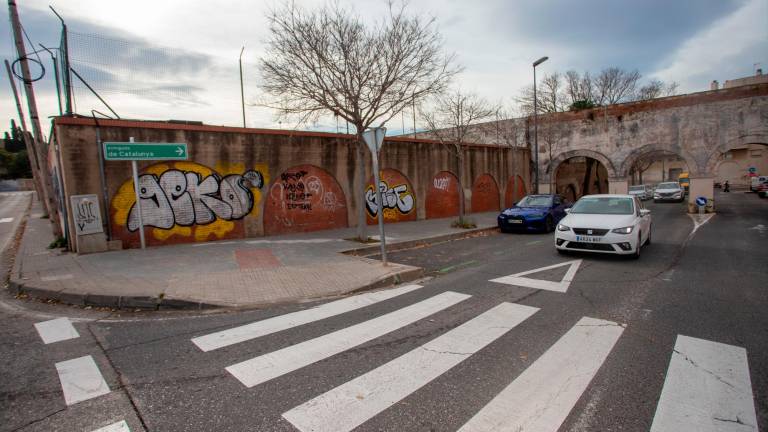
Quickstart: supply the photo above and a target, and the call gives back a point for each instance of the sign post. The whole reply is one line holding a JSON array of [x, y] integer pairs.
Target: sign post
[[131, 151], [375, 138]]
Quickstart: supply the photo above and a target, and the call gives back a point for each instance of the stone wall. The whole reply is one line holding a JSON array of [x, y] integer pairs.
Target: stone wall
[[242, 183]]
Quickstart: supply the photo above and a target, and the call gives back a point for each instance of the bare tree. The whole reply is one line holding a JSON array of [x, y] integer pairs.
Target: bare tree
[[451, 120], [656, 88], [613, 85], [552, 136], [550, 95], [327, 61], [578, 88]]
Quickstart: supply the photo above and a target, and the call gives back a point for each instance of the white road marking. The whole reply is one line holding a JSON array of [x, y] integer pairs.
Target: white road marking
[[81, 380], [541, 398], [120, 426], [707, 389], [297, 241], [353, 403], [517, 279], [268, 366], [56, 277], [6, 220], [698, 222], [271, 325], [56, 330]]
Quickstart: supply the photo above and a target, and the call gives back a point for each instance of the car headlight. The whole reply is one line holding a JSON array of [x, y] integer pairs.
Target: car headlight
[[625, 230], [561, 227]]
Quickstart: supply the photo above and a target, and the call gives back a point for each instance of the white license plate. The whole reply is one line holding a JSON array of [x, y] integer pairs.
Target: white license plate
[[515, 221], [588, 239]]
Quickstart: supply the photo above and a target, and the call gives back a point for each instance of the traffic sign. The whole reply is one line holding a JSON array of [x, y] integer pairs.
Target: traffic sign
[[115, 151], [701, 201], [752, 170], [374, 138]]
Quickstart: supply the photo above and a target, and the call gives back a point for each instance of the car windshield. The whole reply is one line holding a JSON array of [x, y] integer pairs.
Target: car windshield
[[668, 186], [637, 188], [603, 205], [535, 201]]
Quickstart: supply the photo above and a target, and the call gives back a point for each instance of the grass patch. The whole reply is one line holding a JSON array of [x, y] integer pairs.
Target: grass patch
[[464, 223], [58, 243]]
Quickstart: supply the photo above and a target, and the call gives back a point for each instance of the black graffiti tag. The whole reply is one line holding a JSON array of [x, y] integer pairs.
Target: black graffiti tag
[[395, 197]]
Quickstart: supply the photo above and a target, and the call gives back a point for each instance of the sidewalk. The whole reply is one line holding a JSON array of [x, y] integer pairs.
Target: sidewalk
[[239, 273]]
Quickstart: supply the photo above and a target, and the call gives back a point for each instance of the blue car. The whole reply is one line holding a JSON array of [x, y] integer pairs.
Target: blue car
[[539, 213]]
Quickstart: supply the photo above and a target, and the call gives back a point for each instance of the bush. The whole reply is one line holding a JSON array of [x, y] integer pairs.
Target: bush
[[464, 223]]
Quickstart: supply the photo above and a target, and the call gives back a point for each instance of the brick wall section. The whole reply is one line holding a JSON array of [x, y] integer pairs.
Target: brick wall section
[[228, 150]]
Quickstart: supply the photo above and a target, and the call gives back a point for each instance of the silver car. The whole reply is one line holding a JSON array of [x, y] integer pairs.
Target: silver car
[[642, 192], [669, 191]]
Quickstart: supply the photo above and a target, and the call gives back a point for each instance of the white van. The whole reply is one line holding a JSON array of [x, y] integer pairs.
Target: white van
[[756, 181]]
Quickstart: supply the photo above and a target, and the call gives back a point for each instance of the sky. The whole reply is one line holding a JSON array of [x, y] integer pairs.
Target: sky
[[178, 59]]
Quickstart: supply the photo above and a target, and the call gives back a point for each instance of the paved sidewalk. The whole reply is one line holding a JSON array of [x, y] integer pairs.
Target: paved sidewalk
[[237, 273]]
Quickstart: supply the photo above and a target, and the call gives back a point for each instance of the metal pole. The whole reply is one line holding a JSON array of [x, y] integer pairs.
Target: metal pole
[[138, 201], [35, 164], [242, 92], [67, 78], [379, 203], [535, 136], [55, 76]]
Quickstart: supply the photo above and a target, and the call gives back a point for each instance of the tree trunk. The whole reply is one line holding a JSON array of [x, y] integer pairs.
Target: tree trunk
[[460, 161], [362, 234], [586, 186]]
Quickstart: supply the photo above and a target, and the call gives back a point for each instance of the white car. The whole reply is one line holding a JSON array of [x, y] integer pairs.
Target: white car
[[643, 192], [669, 191], [616, 224]]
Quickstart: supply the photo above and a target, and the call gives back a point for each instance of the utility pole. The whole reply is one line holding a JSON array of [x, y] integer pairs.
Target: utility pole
[[242, 92], [42, 155], [30, 145]]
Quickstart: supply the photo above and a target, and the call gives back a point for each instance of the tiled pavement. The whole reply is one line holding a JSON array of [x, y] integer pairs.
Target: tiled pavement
[[237, 273]]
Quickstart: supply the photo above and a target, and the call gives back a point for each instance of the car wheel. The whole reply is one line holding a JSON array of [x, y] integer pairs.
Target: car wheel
[[549, 224], [636, 255]]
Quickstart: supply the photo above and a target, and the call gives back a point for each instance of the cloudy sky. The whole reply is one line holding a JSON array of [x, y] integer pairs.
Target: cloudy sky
[[178, 59]]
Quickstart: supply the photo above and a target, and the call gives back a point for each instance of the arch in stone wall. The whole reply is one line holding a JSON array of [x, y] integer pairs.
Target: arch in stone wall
[[551, 168], [512, 193], [485, 194], [398, 196], [661, 150], [750, 137], [304, 198], [443, 195]]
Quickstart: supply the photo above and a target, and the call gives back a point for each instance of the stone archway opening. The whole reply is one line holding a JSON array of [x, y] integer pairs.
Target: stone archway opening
[[580, 175], [658, 166]]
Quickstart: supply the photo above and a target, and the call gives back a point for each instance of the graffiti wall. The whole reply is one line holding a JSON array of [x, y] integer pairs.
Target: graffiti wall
[[187, 202], [516, 190], [485, 194], [397, 196], [443, 196], [302, 199]]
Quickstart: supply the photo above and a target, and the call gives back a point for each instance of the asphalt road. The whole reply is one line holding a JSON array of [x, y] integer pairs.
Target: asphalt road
[[12, 208], [407, 372]]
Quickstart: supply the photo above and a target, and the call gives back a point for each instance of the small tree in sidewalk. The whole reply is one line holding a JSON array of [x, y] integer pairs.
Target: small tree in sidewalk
[[451, 120]]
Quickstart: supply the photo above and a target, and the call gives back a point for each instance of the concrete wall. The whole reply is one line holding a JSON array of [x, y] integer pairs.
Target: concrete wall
[[242, 183]]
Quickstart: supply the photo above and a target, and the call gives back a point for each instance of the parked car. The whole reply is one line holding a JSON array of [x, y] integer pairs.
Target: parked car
[[534, 213], [615, 224], [762, 189], [669, 191], [643, 192], [757, 181]]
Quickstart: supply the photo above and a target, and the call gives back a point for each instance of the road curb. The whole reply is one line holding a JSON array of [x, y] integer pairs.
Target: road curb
[[410, 244]]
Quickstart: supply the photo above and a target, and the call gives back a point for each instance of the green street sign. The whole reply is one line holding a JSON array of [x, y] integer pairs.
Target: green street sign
[[122, 151]]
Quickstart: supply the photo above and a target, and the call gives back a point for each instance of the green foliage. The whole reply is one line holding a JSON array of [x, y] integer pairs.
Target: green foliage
[[14, 142], [15, 165], [582, 104], [60, 242], [464, 223]]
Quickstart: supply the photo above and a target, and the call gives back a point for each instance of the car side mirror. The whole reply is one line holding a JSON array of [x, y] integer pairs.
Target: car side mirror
[[644, 212], [568, 210]]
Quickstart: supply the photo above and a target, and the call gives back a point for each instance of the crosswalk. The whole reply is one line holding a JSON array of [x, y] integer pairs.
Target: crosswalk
[[707, 383]]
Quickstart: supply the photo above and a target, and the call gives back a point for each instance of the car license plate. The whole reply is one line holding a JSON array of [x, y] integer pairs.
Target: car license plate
[[588, 239], [515, 221]]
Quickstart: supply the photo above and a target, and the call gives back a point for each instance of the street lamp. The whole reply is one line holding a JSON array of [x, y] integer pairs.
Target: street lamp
[[536, 126]]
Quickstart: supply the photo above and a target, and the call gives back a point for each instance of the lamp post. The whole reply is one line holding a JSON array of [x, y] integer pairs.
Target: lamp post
[[536, 126]]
